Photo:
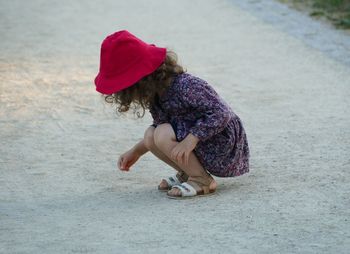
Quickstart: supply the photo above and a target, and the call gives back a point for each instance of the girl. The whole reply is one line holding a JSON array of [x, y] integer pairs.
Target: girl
[[194, 131]]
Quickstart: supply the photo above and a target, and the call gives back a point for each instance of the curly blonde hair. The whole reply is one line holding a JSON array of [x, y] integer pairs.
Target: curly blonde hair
[[144, 93]]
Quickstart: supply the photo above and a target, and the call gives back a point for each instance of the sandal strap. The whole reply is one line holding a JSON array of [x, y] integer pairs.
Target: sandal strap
[[172, 181], [199, 186], [186, 190]]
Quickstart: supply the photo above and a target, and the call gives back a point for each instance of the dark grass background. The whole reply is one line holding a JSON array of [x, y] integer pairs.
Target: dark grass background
[[335, 11]]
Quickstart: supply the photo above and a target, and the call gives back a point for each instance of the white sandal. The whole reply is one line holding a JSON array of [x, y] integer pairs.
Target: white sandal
[[188, 191], [171, 181]]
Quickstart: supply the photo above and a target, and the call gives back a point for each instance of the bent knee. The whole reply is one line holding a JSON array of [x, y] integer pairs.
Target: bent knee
[[162, 134], [148, 138]]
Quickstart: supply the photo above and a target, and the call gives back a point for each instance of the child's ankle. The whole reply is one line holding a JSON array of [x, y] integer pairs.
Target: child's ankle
[[204, 180], [183, 177]]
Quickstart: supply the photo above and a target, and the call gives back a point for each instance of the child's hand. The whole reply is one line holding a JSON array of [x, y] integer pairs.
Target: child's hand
[[182, 150], [127, 159]]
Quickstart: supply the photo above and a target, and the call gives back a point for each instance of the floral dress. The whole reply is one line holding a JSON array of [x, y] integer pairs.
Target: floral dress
[[191, 105]]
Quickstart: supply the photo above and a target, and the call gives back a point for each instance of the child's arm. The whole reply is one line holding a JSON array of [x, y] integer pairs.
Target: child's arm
[[140, 148], [181, 152], [213, 113], [127, 159]]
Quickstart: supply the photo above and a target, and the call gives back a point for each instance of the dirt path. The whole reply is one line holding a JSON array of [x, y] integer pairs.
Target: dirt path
[[316, 34], [60, 191]]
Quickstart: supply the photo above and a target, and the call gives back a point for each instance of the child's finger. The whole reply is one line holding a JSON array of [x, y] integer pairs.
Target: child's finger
[[186, 158], [180, 157], [124, 168], [183, 158], [173, 154], [176, 156], [129, 164], [119, 163], [124, 164]]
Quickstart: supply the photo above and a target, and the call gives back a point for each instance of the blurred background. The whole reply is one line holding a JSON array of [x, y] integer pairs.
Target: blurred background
[[283, 66]]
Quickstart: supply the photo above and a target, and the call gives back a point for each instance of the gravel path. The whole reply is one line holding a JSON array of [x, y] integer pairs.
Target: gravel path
[[60, 191], [322, 36]]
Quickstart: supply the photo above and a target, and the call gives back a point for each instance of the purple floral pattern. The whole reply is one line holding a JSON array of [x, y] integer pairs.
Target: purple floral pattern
[[191, 105]]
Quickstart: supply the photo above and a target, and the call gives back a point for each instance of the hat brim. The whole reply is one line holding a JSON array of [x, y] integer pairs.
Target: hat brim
[[109, 85]]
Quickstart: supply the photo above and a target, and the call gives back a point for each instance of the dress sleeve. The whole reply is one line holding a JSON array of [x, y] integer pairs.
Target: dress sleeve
[[212, 113], [158, 116]]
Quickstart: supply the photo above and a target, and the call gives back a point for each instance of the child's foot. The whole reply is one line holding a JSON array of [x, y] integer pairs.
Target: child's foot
[[193, 187], [167, 184]]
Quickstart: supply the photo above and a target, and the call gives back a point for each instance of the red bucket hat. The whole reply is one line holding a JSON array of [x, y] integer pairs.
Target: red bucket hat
[[125, 59]]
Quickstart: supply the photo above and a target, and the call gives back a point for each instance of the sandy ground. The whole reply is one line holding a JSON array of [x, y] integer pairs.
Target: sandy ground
[[60, 191]]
